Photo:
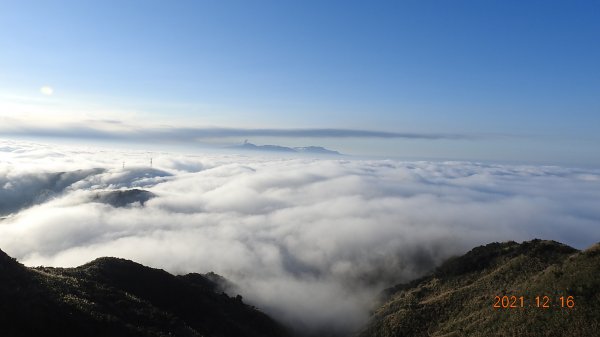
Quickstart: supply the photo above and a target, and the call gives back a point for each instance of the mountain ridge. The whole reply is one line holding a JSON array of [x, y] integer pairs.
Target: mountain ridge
[[117, 297], [247, 146], [457, 298]]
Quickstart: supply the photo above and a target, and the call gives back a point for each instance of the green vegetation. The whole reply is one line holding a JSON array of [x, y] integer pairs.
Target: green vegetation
[[458, 298], [116, 297]]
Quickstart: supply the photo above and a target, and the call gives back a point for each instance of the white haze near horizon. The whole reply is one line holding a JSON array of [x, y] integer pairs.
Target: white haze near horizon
[[310, 241]]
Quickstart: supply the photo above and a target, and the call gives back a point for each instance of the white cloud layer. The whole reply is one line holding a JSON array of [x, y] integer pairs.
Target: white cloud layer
[[311, 241]]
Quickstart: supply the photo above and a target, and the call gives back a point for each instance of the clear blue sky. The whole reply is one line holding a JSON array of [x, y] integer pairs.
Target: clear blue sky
[[522, 77]]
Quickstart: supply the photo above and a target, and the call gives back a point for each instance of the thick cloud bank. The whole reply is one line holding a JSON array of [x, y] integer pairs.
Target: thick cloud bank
[[309, 241], [114, 129]]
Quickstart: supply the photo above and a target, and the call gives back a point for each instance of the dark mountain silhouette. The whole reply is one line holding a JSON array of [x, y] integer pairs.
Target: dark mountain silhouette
[[122, 198], [458, 298], [277, 148], [116, 297]]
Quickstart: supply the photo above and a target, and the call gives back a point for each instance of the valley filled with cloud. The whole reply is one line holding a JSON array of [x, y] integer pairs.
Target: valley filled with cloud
[[310, 241]]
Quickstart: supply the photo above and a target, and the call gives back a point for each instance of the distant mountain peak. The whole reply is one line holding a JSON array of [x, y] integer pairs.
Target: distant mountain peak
[[316, 149], [278, 148], [122, 198]]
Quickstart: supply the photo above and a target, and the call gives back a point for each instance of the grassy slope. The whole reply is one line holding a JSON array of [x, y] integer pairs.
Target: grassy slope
[[457, 299]]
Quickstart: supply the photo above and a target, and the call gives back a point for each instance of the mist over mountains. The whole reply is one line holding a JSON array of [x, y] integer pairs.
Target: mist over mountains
[[32, 189], [310, 241], [117, 297]]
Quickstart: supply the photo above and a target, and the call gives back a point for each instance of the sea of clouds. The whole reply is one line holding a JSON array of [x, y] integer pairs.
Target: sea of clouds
[[311, 241]]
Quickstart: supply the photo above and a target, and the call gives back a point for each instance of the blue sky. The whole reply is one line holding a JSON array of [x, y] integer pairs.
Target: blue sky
[[520, 79]]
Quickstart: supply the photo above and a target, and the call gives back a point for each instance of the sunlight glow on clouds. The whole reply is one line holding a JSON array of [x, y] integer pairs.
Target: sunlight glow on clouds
[[310, 241]]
